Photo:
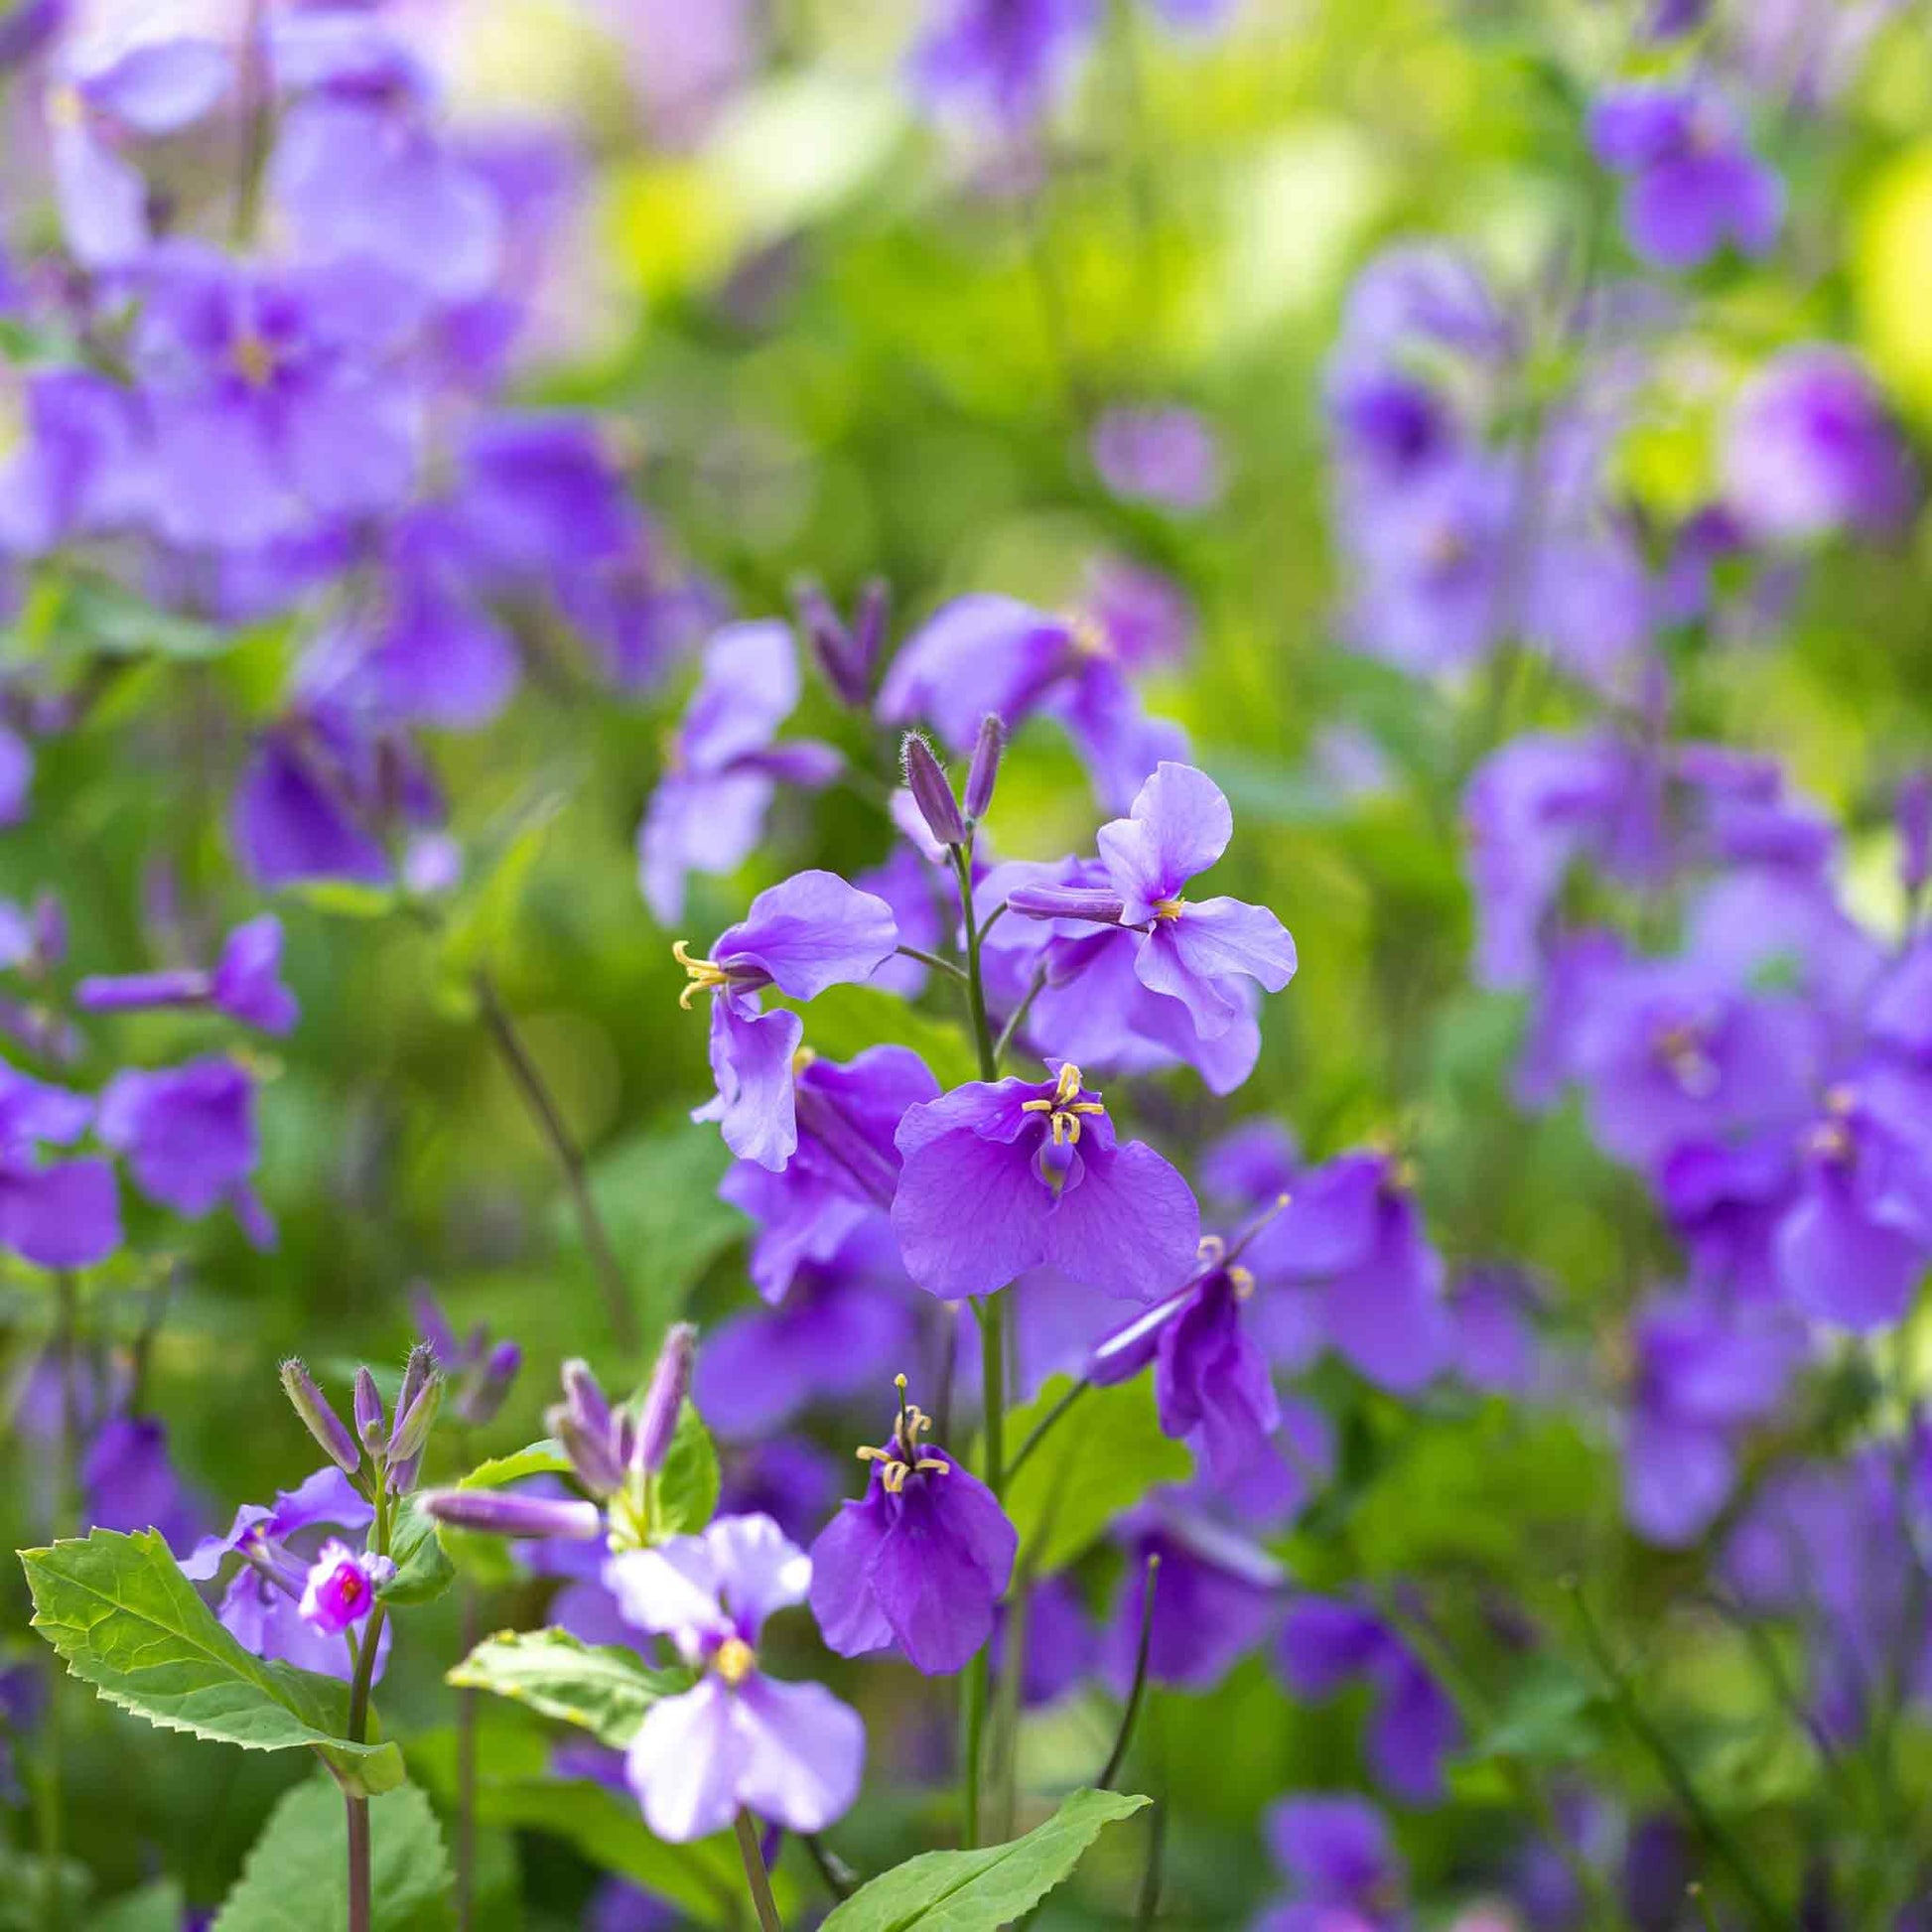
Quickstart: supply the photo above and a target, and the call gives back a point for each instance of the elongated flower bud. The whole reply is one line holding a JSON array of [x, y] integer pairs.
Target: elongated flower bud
[[487, 1391], [321, 1421], [370, 1422], [414, 1422], [415, 1372], [984, 768], [499, 1513], [833, 645], [584, 1397], [1098, 907], [670, 1382], [593, 1456], [932, 790], [869, 626]]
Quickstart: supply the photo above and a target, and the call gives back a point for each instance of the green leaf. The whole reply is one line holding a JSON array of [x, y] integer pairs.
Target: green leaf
[[1097, 1462], [423, 1567], [980, 1891], [845, 1020], [23, 1890], [541, 1458], [1550, 1716], [656, 1194], [296, 1878], [486, 907], [685, 1491], [602, 1688], [159, 1907], [119, 1611]]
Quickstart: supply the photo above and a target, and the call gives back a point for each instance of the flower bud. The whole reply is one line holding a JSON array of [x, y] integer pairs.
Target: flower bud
[[414, 1422], [593, 1456], [670, 1381], [869, 626], [931, 791], [500, 1513], [415, 1372], [1098, 907], [833, 645], [321, 1421], [487, 1392], [370, 1422], [584, 1398], [984, 768]]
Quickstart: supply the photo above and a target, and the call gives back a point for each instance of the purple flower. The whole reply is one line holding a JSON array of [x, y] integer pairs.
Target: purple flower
[[58, 1213], [920, 1562], [1002, 1177], [722, 767], [1692, 185], [1328, 1642], [1003, 61], [1703, 1373], [842, 1325], [810, 933], [188, 1136], [1355, 1228], [340, 1588], [1811, 452], [1166, 457], [1061, 1642], [786, 1478], [278, 1547], [128, 1482], [156, 89], [1180, 825], [477, 1372], [791, 1753], [989, 656], [1854, 1243], [1342, 1864], [1216, 1595], [245, 984]]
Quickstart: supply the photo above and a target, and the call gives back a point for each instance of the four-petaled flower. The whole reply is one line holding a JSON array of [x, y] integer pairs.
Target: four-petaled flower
[[340, 1588]]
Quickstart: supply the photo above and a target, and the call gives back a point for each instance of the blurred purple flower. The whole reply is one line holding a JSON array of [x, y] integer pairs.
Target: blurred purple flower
[[1001, 62], [1341, 1861], [1216, 1595], [187, 1133], [58, 1213], [245, 984], [1169, 458]]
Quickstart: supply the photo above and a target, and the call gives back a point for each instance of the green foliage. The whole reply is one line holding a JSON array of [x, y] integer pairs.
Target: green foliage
[[980, 1891], [684, 1492], [541, 1458], [599, 1688], [423, 1569], [846, 1020], [296, 1877], [157, 1907], [1098, 1461], [128, 1622]]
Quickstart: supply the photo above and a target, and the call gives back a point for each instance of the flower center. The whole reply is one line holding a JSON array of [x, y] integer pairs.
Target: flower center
[[1064, 1109], [349, 1579], [1168, 908], [254, 359], [735, 1660], [702, 975], [1683, 1050], [903, 1458], [1086, 639]]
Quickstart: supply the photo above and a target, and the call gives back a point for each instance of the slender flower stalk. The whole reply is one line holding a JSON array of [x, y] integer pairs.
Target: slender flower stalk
[[360, 1917], [755, 1877]]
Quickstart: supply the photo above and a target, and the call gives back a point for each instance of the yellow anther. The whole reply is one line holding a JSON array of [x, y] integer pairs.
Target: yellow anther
[[801, 1059], [735, 1660], [64, 107], [928, 1466], [1210, 1248], [1168, 908], [1842, 1101], [899, 1382], [254, 359], [702, 975], [1087, 637], [1242, 1280]]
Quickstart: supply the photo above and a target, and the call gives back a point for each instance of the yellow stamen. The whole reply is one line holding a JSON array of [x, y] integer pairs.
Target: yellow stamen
[[1086, 637], [1062, 1111], [1168, 908], [253, 360], [801, 1059], [705, 975], [735, 1660], [1242, 1280], [64, 107], [1210, 1248]]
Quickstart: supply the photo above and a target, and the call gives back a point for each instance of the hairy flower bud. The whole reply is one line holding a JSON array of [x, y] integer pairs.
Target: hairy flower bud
[[584, 1398], [321, 1421], [415, 1372], [499, 1513], [370, 1422], [984, 768], [932, 790], [593, 1455], [414, 1422], [670, 1381]]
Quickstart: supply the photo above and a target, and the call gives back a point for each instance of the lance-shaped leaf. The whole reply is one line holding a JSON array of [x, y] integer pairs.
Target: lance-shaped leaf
[[296, 1878], [980, 1891], [600, 1687], [544, 1457], [128, 1622]]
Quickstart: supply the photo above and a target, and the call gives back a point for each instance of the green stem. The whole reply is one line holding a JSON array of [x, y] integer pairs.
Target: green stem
[[466, 1771], [1710, 1826], [962, 864], [1135, 1697], [569, 1158], [52, 1808], [360, 1918], [937, 961], [1043, 1428], [756, 1875]]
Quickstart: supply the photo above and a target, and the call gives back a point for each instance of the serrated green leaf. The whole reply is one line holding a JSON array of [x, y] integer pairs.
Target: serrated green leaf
[[980, 1891], [127, 1621], [601, 1688], [684, 1492], [541, 1458], [423, 1567], [296, 1878], [845, 1020], [1097, 1462]]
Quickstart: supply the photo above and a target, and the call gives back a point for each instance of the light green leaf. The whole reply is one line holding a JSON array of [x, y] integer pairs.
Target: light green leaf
[[539, 1458], [486, 907], [159, 1907], [685, 1491], [423, 1567], [845, 1020], [656, 1194], [980, 1891], [602, 1688], [1097, 1462], [119, 1611], [1550, 1716], [296, 1878]]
